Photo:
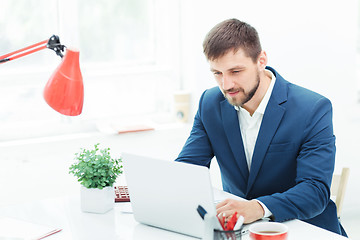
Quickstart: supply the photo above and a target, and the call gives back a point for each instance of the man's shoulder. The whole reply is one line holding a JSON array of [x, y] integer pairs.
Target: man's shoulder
[[213, 95], [212, 101], [303, 94], [296, 92], [214, 91]]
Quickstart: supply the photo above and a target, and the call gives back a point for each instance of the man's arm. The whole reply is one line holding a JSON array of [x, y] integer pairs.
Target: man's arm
[[315, 166], [197, 149]]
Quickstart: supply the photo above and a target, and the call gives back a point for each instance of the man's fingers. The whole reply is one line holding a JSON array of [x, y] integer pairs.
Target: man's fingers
[[222, 203], [226, 208], [250, 210]]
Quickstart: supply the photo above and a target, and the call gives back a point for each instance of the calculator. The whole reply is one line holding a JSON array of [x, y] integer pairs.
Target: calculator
[[121, 194]]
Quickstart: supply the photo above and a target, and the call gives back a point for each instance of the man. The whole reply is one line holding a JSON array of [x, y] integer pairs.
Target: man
[[273, 140]]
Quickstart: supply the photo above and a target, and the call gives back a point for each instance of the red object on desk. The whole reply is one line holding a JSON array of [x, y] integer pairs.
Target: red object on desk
[[222, 221], [231, 223], [49, 234], [121, 194]]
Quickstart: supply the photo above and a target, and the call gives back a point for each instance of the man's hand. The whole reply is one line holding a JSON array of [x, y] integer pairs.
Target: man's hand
[[250, 210]]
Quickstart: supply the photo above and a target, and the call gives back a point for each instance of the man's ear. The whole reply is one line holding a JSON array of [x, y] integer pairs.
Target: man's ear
[[262, 61]]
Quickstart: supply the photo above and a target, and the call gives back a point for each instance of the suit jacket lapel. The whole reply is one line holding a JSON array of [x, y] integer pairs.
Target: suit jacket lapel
[[232, 130], [270, 122]]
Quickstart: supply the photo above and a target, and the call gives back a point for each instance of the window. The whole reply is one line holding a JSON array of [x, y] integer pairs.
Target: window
[[112, 19], [129, 52]]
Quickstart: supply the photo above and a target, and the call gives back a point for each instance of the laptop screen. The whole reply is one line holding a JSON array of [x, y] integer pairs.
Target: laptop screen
[[166, 194]]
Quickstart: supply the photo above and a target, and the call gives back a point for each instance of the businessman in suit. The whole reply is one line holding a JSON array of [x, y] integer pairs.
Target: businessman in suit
[[273, 140]]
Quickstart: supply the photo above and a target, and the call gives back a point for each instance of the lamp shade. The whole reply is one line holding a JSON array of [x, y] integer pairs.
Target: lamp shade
[[64, 91]]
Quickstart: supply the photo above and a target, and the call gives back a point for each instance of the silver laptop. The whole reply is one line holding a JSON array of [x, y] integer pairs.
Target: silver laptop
[[166, 194]]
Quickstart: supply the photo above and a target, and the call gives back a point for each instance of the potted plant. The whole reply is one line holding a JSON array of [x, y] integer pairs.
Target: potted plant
[[96, 171]]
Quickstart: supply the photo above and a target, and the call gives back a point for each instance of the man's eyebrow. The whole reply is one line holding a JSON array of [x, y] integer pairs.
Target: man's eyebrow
[[230, 69], [236, 68]]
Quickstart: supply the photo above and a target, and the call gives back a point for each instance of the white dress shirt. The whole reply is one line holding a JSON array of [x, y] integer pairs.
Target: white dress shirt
[[250, 125]]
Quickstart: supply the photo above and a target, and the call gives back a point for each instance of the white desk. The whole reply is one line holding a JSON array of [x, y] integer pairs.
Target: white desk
[[65, 213]]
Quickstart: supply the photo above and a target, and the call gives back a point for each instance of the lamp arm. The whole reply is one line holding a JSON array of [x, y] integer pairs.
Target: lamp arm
[[53, 43]]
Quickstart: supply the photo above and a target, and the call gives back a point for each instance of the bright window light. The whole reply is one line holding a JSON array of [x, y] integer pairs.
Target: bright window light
[[129, 57]]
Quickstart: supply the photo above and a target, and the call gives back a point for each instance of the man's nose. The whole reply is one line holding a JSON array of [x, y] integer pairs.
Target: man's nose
[[227, 83]]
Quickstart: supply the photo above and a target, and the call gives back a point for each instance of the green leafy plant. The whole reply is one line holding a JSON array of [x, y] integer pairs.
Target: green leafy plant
[[95, 168]]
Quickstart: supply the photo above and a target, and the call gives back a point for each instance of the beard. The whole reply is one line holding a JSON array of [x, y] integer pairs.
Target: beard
[[247, 95]]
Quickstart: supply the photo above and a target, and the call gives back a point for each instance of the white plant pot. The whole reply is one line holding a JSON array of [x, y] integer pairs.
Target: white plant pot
[[96, 200]]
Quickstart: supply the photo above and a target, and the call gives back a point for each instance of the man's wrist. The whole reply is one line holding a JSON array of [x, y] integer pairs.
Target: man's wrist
[[267, 212], [258, 211]]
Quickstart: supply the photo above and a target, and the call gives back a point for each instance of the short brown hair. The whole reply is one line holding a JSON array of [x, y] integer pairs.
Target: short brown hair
[[232, 34]]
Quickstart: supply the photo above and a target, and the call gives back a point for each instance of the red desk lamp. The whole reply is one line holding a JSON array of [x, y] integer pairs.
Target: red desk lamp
[[64, 91]]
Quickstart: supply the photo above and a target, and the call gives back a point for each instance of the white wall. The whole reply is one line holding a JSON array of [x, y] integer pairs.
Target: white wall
[[311, 43]]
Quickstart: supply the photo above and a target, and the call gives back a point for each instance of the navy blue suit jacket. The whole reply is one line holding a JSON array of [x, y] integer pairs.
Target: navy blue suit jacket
[[293, 159]]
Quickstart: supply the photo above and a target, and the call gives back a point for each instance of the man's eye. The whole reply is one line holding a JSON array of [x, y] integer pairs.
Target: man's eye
[[217, 73]]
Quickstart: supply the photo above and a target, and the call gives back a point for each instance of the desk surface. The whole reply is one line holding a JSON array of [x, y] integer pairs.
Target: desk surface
[[116, 224]]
